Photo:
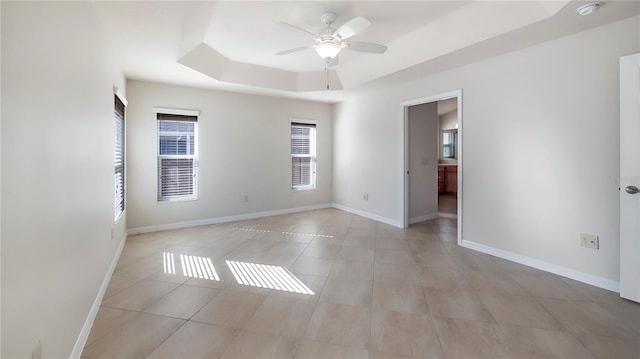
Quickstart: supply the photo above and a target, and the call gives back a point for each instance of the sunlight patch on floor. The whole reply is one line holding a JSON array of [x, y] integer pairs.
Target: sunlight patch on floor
[[267, 276], [283, 232], [192, 266]]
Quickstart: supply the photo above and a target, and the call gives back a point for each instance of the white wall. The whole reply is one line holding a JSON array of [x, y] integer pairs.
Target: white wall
[[423, 160], [244, 150], [552, 174], [57, 173], [449, 120], [368, 155]]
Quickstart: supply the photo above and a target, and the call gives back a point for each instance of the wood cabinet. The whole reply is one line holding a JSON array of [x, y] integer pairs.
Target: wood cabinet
[[448, 179]]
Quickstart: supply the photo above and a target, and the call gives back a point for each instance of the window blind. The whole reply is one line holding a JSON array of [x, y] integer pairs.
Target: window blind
[[177, 157], [448, 145], [303, 156], [118, 157]]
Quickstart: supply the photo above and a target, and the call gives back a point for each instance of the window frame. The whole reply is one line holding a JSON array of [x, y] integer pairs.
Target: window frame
[[312, 155], [186, 116], [119, 155]]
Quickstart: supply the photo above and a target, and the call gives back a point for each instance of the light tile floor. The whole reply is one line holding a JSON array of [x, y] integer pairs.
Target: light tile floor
[[378, 292], [447, 204]]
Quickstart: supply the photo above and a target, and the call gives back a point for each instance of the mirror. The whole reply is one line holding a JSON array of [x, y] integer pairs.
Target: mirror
[[449, 144]]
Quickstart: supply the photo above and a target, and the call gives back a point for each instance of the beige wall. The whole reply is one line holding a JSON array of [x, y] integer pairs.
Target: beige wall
[[551, 175], [57, 173], [244, 150]]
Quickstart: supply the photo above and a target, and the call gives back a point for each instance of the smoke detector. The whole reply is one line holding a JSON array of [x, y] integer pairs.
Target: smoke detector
[[588, 9]]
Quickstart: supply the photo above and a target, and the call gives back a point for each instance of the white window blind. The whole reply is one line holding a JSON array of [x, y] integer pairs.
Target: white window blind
[[449, 144], [118, 157], [303, 156], [177, 157]]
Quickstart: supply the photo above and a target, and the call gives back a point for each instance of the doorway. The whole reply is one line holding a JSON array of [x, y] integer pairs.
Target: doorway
[[433, 158]]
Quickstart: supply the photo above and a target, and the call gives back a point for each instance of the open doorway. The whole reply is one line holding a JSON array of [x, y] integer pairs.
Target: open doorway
[[433, 159], [448, 157]]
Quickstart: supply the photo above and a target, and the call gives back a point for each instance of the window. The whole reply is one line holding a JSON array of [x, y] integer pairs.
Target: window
[[449, 144], [118, 156], [303, 156], [177, 157]]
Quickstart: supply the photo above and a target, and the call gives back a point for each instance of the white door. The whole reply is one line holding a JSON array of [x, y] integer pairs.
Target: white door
[[630, 177]]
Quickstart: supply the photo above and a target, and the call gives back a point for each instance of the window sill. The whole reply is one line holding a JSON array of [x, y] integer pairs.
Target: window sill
[[298, 189], [177, 199]]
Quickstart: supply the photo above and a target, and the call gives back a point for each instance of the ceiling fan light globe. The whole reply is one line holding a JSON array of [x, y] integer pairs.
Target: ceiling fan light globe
[[328, 50]]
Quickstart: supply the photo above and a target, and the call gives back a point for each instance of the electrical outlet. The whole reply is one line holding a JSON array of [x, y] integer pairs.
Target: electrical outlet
[[246, 198], [589, 241], [37, 351], [365, 196]]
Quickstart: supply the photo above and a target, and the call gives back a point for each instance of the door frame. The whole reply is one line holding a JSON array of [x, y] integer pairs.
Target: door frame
[[629, 228], [405, 142]]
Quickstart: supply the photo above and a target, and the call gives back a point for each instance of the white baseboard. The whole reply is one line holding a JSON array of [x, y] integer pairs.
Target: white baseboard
[[448, 215], [240, 217], [424, 218], [375, 217], [88, 323], [547, 267]]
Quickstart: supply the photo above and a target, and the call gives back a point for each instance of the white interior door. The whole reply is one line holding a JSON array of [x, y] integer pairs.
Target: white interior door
[[630, 177]]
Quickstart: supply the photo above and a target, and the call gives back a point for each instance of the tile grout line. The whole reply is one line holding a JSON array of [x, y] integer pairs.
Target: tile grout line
[[433, 320], [371, 313], [165, 339]]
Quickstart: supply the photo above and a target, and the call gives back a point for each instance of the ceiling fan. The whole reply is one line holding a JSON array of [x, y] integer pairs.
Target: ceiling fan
[[330, 41]]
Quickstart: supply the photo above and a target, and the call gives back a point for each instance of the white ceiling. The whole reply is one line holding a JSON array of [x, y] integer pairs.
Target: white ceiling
[[234, 23], [231, 45]]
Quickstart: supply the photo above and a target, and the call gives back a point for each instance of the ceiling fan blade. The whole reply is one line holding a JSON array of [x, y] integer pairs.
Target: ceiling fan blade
[[352, 27], [299, 29], [367, 47], [297, 49]]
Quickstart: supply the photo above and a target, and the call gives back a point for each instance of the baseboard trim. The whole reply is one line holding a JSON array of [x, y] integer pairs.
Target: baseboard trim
[[545, 266], [240, 217], [375, 217], [424, 218], [448, 215], [88, 323]]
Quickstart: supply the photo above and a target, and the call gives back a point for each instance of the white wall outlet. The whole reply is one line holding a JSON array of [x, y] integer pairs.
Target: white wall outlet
[[246, 198], [37, 351], [365, 196], [589, 241]]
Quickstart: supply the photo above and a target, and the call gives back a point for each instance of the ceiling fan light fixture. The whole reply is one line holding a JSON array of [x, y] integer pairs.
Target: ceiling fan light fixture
[[328, 50]]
